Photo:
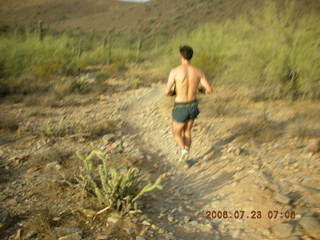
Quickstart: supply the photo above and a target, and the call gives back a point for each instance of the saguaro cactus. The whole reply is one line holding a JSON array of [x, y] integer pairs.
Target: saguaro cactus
[[40, 30]]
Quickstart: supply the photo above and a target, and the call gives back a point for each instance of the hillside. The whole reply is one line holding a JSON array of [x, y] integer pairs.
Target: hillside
[[162, 16]]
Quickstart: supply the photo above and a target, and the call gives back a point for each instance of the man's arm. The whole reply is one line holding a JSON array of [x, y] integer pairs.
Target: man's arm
[[170, 84], [204, 82]]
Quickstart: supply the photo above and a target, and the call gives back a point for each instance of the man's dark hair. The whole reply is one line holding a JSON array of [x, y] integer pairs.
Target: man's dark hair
[[186, 52]]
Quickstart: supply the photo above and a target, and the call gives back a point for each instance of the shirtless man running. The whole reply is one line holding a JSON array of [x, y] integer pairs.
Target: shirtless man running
[[185, 79]]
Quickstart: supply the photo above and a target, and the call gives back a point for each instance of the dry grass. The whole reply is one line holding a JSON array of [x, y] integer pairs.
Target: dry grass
[[305, 122], [40, 159], [59, 128], [261, 130], [8, 123], [43, 224], [219, 107], [136, 76], [94, 129], [303, 130]]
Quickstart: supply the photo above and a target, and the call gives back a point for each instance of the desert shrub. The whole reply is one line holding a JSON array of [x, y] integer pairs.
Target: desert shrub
[[136, 76], [115, 67], [261, 130], [49, 155], [219, 107], [309, 113], [63, 87], [8, 123], [27, 84], [31, 100], [96, 129], [61, 54], [40, 58], [53, 129], [81, 85], [302, 130], [304, 124], [42, 222], [115, 188], [270, 48], [101, 76]]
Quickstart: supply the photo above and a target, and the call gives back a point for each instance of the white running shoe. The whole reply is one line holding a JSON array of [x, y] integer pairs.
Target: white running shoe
[[184, 155]]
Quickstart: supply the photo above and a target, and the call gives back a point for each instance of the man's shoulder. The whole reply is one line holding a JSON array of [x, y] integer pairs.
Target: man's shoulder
[[198, 70], [175, 69]]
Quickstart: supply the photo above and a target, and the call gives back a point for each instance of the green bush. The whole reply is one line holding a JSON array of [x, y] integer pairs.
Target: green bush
[[115, 188], [101, 76], [56, 129], [270, 48], [55, 55], [42, 58]]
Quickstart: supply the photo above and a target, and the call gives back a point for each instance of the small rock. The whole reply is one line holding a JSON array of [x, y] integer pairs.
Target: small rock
[[18, 235], [107, 138], [281, 198], [74, 236], [116, 144], [140, 238], [235, 234], [266, 232], [170, 218], [206, 227], [130, 231], [138, 155], [186, 219], [282, 230], [102, 237], [32, 170], [154, 227], [311, 225], [113, 220], [53, 165], [314, 145], [31, 234], [66, 230], [4, 218], [88, 212], [146, 223], [216, 235], [292, 238]]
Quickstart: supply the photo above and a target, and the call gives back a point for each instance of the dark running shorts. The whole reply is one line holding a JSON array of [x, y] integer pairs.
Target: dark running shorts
[[185, 111]]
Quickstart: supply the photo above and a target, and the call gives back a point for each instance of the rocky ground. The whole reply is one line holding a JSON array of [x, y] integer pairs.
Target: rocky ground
[[235, 185]]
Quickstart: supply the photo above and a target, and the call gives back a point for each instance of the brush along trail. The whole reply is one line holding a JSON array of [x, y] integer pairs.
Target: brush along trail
[[248, 182], [228, 189]]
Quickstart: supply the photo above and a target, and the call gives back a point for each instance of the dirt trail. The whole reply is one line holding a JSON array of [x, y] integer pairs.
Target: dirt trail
[[252, 190], [221, 175]]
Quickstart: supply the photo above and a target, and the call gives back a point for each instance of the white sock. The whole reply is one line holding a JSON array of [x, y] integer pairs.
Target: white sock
[[184, 151]]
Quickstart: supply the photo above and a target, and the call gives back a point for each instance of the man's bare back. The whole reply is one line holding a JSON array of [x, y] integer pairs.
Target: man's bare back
[[185, 79]]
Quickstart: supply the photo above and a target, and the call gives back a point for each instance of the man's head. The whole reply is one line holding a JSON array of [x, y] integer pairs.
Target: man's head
[[186, 52]]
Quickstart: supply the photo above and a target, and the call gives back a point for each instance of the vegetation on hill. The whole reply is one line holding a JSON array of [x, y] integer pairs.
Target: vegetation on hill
[[270, 49]]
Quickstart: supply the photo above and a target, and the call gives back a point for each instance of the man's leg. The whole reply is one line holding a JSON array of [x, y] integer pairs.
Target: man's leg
[[187, 134], [177, 128]]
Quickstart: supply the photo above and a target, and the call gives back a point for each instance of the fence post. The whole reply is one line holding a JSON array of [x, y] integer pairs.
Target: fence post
[[109, 45], [139, 45], [79, 48], [40, 30], [157, 44]]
